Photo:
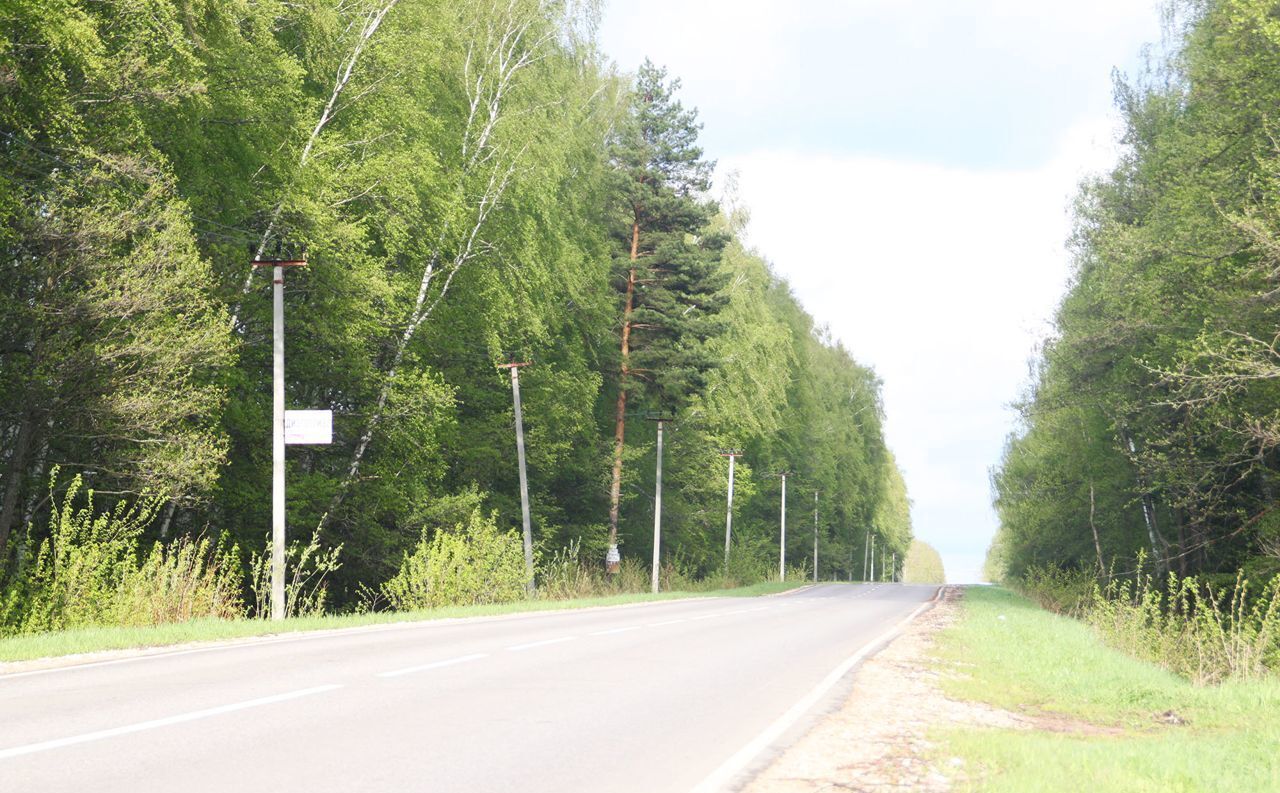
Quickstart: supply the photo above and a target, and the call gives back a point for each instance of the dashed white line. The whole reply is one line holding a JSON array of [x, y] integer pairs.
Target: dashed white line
[[58, 743], [612, 631], [434, 665], [543, 643], [661, 624]]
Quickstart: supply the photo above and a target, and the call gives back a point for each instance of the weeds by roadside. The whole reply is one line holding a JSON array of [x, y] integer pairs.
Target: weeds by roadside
[[1203, 632]]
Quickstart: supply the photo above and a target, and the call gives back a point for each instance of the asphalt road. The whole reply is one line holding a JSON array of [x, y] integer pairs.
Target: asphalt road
[[646, 698]]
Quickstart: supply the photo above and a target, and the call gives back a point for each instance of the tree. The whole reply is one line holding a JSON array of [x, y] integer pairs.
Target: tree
[[666, 264]]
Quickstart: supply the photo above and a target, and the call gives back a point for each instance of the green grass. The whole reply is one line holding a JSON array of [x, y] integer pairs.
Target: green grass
[[1015, 655], [87, 640]]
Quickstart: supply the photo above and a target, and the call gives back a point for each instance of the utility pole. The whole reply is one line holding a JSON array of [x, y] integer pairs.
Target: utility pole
[[728, 512], [815, 536], [657, 510], [873, 559], [278, 607], [782, 542], [524, 478], [893, 569], [867, 555]]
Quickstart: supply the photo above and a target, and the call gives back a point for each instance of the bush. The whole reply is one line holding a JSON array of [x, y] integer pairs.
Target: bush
[[306, 585], [87, 572], [1204, 633], [1063, 591], [563, 576], [471, 564]]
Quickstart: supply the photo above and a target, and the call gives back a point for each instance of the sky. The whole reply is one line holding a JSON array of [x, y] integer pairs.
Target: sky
[[909, 166]]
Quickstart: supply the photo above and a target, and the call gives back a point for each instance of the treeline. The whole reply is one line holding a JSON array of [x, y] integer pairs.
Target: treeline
[[471, 184], [1154, 420], [923, 565]]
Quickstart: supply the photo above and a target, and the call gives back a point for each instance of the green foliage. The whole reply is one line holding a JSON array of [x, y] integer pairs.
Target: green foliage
[[1152, 422], [1199, 631], [472, 564], [923, 565], [308, 568], [466, 179], [87, 572]]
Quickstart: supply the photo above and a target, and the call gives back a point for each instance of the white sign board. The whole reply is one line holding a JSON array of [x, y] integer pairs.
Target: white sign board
[[313, 427]]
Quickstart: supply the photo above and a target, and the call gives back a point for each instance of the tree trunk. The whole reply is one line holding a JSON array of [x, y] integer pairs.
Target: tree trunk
[[1159, 547], [612, 559], [1097, 544], [13, 481]]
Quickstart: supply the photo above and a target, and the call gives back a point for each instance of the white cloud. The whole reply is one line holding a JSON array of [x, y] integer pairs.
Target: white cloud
[[908, 165]]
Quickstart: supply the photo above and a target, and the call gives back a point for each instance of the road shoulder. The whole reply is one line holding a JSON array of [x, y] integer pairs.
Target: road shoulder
[[878, 739]]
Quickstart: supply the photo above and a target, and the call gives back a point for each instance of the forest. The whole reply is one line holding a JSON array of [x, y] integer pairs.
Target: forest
[[472, 183], [1148, 442]]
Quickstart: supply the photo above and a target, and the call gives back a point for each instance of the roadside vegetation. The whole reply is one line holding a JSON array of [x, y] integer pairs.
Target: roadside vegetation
[[923, 565], [472, 184], [1098, 719], [1139, 492]]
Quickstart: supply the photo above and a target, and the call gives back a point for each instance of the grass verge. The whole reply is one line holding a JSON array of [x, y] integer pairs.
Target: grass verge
[[1105, 715], [87, 640]]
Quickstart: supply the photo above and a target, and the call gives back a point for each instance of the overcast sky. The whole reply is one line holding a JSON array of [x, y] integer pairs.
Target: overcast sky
[[908, 166]]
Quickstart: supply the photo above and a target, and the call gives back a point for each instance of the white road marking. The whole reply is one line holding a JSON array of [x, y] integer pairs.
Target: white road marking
[[58, 743], [612, 631], [661, 624], [434, 665], [543, 643], [720, 778], [708, 616]]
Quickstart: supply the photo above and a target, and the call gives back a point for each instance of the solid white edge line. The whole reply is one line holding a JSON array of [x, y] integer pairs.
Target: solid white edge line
[[741, 759], [434, 665], [140, 726], [531, 645]]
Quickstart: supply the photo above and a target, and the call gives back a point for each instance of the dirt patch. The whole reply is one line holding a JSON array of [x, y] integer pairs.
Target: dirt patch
[[877, 740]]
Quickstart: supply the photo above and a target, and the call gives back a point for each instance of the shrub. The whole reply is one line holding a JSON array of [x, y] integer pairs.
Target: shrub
[[1064, 591], [306, 586], [473, 563], [563, 576], [1205, 633], [87, 572]]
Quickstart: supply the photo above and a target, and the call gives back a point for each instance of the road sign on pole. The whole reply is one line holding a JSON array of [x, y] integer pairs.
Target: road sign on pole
[[277, 430], [308, 427]]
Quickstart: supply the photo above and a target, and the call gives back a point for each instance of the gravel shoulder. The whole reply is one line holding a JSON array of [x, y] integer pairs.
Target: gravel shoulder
[[877, 740]]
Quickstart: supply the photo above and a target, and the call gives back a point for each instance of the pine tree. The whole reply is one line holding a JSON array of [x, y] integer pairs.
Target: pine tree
[[666, 267]]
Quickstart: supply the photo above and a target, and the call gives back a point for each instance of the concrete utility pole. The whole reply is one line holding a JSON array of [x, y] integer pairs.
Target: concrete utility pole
[[524, 478], [657, 510], [873, 560], [782, 542], [728, 512], [867, 554], [278, 607], [815, 536]]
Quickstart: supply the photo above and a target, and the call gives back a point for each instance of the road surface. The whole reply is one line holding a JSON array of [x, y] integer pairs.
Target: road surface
[[636, 699]]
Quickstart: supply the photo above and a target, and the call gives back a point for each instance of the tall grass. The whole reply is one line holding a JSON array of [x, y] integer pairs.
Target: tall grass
[[1204, 633], [90, 571], [1187, 626]]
